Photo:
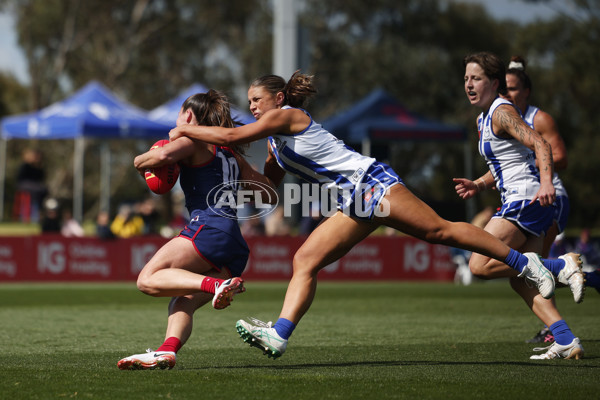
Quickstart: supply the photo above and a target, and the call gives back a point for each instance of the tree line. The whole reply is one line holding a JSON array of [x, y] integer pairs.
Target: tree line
[[148, 50]]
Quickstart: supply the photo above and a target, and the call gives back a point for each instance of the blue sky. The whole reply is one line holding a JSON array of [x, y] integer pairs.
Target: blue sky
[[13, 61], [518, 10], [11, 58]]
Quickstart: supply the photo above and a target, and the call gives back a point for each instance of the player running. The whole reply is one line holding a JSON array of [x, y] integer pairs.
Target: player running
[[511, 149], [299, 145]]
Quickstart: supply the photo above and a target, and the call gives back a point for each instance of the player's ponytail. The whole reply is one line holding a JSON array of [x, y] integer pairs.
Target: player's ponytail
[[297, 91]]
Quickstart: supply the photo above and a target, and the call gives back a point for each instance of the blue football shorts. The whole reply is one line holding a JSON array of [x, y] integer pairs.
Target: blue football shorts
[[531, 218], [219, 248]]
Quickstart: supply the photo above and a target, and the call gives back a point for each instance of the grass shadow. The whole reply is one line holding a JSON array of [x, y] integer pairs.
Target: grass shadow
[[400, 363]]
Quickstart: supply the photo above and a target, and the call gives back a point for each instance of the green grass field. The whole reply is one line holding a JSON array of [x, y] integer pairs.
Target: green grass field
[[358, 341]]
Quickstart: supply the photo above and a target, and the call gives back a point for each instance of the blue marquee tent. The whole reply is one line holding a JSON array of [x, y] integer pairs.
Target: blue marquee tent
[[380, 117], [167, 113], [93, 111]]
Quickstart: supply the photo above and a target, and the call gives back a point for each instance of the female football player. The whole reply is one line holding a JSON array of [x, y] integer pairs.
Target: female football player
[[299, 145], [206, 260], [518, 91], [511, 149]]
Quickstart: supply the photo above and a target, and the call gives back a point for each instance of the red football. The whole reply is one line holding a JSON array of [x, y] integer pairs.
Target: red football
[[162, 179]]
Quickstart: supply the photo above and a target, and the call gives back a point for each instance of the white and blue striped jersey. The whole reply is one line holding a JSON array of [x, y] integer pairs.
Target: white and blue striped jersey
[[528, 117], [511, 163], [316, 156]]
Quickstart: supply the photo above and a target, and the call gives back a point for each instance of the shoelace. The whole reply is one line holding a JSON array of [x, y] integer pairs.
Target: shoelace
[[530, 282], [545, 348], [551, 353], [217, 285], [260, 323]]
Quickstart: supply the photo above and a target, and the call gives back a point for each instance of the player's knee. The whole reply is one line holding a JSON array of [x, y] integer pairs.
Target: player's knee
[[304, 262], [479, 270], [145, 286], [187, 303], [439, 234]]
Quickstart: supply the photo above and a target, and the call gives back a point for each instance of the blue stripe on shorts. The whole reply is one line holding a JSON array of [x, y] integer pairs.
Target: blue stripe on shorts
[[532, 218], [562, 205]]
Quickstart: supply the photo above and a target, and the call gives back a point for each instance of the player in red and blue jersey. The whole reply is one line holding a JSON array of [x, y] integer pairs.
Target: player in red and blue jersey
[[205, 262]]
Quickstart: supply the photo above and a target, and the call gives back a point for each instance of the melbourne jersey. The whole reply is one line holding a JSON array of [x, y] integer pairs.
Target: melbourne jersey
[[316, 156], [209, 187], [528, 117], [511, 163]]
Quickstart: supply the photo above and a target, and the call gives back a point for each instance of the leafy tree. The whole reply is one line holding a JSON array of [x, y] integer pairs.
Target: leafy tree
[[145, 50], [148, 50], [413, 49], [563, 55], [13, 95]]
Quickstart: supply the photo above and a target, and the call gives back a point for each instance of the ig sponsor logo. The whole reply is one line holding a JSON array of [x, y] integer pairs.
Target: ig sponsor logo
[[52, 258], [140, 255], [416, 257]]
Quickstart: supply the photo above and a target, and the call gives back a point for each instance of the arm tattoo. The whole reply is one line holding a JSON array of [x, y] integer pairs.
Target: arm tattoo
[[511, 123]]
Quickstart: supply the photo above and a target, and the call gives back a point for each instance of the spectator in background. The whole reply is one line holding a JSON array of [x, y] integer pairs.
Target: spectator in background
[[461, 257], [31, 183], [126, 223], [481, 219], [147, 210], [252, 227], [51, 222], [309, 222], [559, 246], [180, 216], [276, 224], [70, 226], [103, 226], [589, 252], [591, 259]]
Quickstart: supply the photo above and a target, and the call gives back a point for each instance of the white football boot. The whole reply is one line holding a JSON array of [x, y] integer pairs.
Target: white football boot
[[572, 275], [555, 350], [538, 274], [224, 293], [261, 335], [149, 360]]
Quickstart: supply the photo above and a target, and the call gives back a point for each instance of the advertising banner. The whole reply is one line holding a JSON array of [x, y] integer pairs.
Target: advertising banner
[[55, 258]]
